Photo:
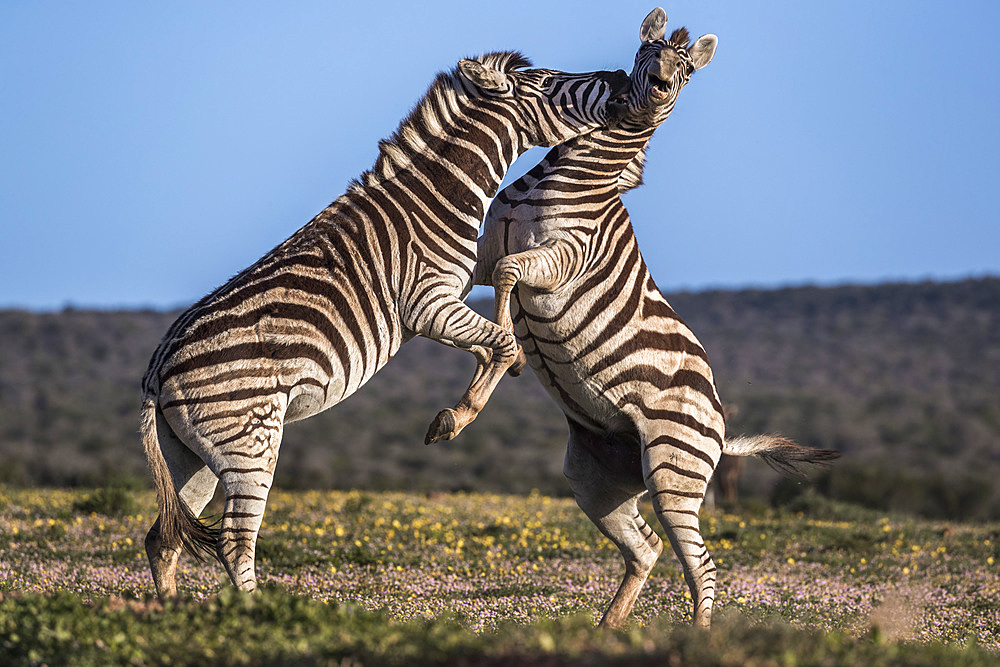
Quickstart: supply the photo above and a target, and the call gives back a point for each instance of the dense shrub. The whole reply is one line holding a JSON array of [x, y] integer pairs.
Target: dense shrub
[[276, 628], [901, 378]]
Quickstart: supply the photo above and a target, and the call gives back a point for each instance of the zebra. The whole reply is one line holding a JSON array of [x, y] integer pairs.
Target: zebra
[[310, 322], [632, 379]]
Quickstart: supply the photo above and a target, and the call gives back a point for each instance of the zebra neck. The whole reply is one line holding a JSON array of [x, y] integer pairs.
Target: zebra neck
[[610, 156], [462, 162]]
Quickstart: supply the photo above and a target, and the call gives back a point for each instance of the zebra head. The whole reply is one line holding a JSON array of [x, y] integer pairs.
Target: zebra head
[[551, 106], [663, 67]]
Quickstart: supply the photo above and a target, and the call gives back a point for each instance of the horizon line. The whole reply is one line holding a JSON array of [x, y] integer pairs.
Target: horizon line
[[682, 289]]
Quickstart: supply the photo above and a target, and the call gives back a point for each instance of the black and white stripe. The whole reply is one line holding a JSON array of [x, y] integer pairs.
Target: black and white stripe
[[316, 317], [633, 380]]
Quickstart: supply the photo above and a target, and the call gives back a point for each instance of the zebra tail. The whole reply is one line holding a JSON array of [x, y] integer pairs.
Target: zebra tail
[[780, 453], [178, 525]]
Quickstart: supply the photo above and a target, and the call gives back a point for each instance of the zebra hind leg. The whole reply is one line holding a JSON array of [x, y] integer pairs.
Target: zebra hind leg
[[610, 500], [677, 481], [246, 478], [246, 495], [196, 486], [241, 447]]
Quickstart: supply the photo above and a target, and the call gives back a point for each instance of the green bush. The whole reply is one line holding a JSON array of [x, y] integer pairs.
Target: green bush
[[273, 627], [935, 495], [116, 500]]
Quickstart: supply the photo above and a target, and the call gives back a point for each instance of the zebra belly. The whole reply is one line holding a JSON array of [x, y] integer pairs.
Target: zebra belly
[[590, 363], [558, 366], [209, 385], [579, 397]]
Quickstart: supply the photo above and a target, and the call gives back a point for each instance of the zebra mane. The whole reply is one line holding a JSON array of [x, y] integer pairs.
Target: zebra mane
[[428, 117], [631, 177], [505, 61], [680, 37]]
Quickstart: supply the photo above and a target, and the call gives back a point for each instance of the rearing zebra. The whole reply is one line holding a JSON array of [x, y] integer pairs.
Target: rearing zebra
[[632, 379], [316, 317]]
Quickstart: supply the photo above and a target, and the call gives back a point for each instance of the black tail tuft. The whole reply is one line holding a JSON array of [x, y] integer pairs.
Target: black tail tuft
[[178, 524], [780, 453], [200, 539]]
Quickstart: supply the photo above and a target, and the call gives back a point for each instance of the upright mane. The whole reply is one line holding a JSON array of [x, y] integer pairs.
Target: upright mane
[[680, 37], [429, 116], [505, 61]]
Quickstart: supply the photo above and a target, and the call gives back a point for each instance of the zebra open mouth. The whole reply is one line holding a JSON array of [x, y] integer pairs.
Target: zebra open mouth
[[660, 88]]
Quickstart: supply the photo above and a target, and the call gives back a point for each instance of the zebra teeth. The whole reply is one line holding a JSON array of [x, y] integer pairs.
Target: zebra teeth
[[660, 88]]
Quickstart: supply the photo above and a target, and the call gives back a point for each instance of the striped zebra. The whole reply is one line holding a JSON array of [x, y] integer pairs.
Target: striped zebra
[[316, 317], [635, 384]]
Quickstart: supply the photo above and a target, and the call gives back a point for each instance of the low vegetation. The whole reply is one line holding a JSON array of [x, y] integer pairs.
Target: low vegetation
[[275, 628], [900, 378], [404, 578]]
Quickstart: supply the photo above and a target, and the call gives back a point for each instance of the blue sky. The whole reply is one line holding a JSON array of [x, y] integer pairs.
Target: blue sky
[[151, 150]]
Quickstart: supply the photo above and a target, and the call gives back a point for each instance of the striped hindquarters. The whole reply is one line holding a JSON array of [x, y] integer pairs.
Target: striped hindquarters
[[298, 323]]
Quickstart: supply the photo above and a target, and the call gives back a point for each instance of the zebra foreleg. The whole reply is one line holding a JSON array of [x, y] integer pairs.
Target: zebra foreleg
[[449, 422], [612, 504], [483, 356], [544, 267], [454, 323]]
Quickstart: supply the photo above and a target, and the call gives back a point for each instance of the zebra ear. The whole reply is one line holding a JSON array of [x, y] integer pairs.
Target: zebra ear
[[703, 50], [485, 77], [654, 26]]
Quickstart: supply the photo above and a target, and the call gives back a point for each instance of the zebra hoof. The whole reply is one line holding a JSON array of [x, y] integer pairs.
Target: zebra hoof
[[519, 363], [442, 428]]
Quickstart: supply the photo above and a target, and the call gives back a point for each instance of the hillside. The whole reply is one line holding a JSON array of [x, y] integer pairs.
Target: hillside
[[902, 378]]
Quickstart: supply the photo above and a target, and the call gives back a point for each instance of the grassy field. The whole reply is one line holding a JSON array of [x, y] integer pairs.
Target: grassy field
[[489, 579]]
